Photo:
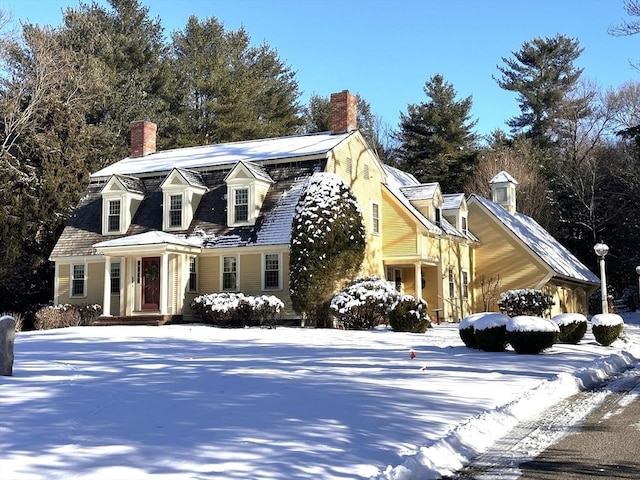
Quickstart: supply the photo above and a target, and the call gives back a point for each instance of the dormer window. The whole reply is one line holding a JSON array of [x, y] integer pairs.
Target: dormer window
[[182, 191], [247, 187], [241, 205], [121, 197], [114, 221], [175, 211]]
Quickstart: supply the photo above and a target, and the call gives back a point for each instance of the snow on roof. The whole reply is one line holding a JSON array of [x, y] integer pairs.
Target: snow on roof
[[132, 184], [148, 238], [424, 191], [276, 227], [192, 177], [503, 177], [258, 172], [548, 249], [225, 153], [452, 201], [397, 178], [396, 192]]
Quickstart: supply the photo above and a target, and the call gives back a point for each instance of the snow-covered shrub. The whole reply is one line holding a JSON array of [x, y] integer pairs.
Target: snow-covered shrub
[[265, 309], [364, 303], [409, 315], [236, 310], [222, 309], [491, 332], [529, 334], [327, 244], [606, 328], [525, 301], [572, 326], [57, 316], [89, 312], [466, 330]]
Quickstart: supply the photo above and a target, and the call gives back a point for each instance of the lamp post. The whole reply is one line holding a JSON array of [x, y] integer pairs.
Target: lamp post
[[601, 250], [638, 272]]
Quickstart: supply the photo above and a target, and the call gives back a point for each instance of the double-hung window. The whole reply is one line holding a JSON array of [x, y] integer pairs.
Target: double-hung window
[[465, 284], [78, 279], [452, 285], [193, 274], [229, 273], [113, 222], [375, 218], [271, 271], [115, 278], [175, 211], [241, 204]]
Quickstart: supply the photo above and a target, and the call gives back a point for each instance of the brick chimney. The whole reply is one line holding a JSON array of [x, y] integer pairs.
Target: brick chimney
[[143, 138], [343, 112]]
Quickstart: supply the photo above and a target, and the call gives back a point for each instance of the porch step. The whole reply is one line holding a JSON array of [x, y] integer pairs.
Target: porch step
[[153, 320]]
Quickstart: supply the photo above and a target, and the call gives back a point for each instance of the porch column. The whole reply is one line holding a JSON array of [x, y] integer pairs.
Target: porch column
[[164, 282], [418, 276], [106, 301]]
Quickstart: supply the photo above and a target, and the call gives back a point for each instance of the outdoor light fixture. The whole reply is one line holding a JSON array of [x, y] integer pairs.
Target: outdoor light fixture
[[601, 250], [638, 272]]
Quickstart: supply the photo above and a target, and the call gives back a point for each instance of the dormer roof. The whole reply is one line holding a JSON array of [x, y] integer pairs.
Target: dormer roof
[[128, 183], [256, 171], [424, 191], [190, 177], [452, 201]]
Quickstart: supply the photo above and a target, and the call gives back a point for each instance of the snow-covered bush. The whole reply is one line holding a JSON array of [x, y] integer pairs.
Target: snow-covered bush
[[572, 326], [529, 334], [327, 244], [364, 303], [409, 315], [467, 331], [57, 316], [265, 309], [236, 310], [606, 328], [525, 301], [491, 332]]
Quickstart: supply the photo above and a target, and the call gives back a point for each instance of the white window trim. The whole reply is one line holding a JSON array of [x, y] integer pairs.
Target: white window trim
[[465, 286], [264, 269], [250, 194], [72, 279], [222, 272], [106, 202], [119, 263], [167, 194], [197, 266], [375, 231]]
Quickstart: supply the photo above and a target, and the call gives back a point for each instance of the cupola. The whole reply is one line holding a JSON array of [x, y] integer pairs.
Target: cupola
[[503, 191]]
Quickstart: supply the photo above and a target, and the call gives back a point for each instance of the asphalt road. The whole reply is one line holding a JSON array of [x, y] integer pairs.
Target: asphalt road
[[592, 435], [607, 446]]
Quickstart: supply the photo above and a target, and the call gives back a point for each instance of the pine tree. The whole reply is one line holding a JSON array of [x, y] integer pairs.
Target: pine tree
[[436, 139], [230, 90], [544, 76], [327, 245]]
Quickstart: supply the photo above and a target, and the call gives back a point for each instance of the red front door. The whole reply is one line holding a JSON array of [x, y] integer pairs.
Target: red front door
[[151, 283]]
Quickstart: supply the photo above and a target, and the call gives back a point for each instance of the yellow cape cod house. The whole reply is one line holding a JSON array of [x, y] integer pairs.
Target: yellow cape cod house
[[158, 228]]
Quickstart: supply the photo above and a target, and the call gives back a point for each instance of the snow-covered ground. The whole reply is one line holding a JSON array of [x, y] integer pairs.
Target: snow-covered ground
[[195, 402]]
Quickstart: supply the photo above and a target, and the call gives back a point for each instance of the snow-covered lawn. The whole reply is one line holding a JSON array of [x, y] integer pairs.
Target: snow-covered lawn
[[195, 402]]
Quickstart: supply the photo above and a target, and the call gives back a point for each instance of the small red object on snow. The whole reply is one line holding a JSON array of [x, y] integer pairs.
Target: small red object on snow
[[412, 354]]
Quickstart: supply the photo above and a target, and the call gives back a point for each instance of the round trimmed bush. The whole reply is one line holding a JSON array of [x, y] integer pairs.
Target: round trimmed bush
[[606, 328], [409, 315], [531, 335], [466, 330], [572, 326], [491, 332]]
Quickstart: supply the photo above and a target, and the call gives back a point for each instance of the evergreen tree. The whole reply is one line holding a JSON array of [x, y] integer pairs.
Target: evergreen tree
[[131, 53], [327, 245], [543, 75], [436, 139], [230, 90]]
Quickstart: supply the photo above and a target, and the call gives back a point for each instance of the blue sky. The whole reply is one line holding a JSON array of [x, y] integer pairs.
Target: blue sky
[[385, 50]]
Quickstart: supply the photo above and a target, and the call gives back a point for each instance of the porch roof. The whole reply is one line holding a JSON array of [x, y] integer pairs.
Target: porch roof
[[149, 238]]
